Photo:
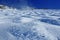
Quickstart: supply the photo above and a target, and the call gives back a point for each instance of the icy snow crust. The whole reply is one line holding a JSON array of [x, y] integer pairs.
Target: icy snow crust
[[31, 24]]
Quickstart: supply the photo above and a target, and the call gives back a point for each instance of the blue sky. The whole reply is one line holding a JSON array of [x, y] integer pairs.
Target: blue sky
[[40, 4]]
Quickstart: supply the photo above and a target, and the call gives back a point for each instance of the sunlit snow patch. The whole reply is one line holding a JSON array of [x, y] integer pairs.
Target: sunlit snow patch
[[25, 20]]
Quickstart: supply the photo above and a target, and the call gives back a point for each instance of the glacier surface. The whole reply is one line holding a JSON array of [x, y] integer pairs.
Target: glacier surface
[[30, 24]]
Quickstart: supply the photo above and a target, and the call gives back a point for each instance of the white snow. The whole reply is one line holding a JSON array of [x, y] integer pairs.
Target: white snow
[[10, 17]]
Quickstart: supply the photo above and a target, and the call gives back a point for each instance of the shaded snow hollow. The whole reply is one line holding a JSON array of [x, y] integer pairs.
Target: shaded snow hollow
[[30, 24]]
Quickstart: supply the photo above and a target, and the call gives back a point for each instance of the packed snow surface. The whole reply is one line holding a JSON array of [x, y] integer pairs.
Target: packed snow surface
[[29, 24]]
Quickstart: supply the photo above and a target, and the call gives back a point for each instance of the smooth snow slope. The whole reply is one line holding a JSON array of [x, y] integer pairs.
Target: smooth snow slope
[[29, 24]]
